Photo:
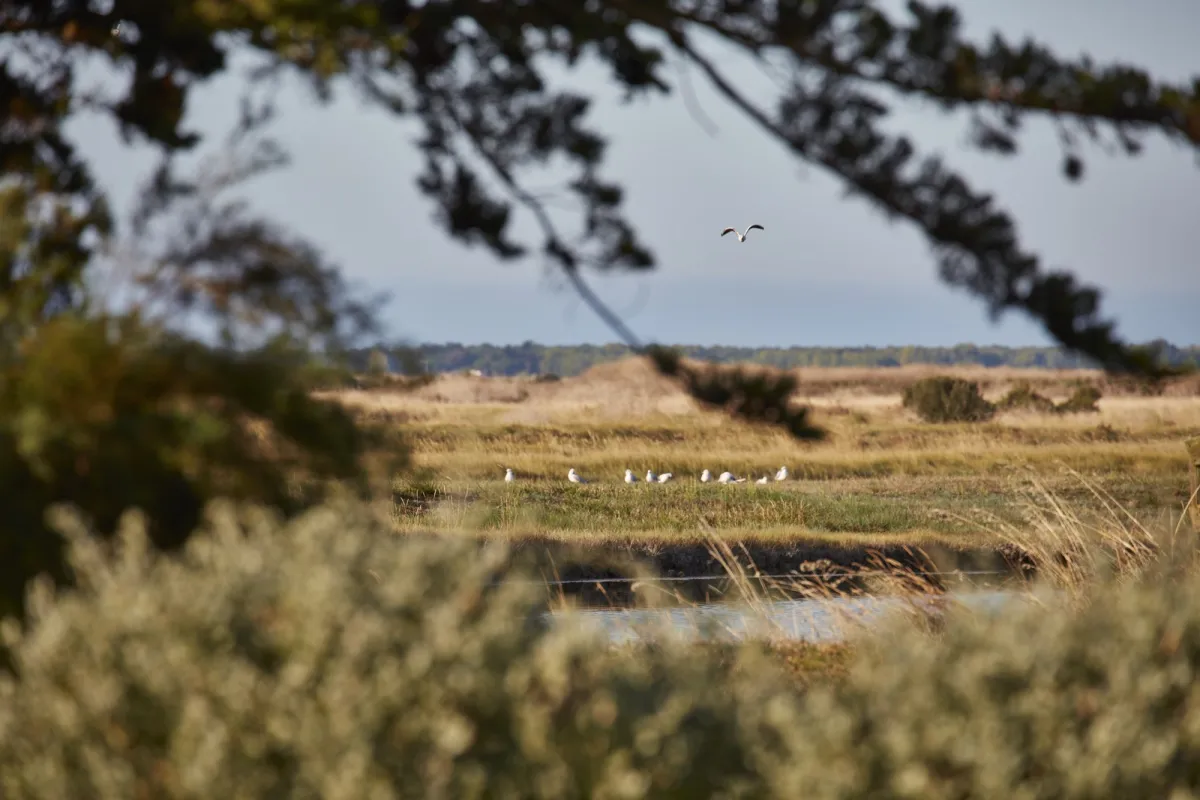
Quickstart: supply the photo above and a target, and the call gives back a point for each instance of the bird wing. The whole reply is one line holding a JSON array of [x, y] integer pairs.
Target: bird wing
[[728, 230], [755, 226]]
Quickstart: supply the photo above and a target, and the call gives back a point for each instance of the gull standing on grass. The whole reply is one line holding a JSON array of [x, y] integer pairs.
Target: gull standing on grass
[[742, 236], [782, 474], [508, 475], [573, 476], [630, 477], [666, 476], [705, 476], [650, 476]]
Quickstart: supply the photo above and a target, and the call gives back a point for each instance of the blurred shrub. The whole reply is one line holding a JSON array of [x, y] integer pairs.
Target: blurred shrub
[[1037, 704], [333, 659], [329, 658], [107, 414], [946, 399]]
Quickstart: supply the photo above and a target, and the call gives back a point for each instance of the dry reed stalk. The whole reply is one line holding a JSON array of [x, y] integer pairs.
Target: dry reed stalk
[[1193, 448]]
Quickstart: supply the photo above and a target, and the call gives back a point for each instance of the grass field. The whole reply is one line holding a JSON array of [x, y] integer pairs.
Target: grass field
[[882, 478]]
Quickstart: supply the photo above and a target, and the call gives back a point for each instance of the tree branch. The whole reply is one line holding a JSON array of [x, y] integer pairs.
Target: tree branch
[[977, 247]]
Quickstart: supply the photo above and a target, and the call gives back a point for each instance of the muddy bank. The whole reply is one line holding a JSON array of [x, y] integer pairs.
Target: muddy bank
[[814, 569], [624, 574]]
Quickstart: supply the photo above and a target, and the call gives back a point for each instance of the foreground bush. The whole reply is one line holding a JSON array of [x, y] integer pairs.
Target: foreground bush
[[331, 659], [335, 660], [946, 399]]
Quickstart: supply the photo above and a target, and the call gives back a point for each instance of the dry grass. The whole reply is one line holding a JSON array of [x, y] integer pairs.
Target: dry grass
[[631, 386], [881, 477]]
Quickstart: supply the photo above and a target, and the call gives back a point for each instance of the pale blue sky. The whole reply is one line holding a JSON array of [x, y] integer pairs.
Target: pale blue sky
[[827, 271]]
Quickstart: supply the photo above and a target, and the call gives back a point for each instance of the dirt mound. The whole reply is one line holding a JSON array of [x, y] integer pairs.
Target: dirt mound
[[629, 387], [458, 388], [631, 377]]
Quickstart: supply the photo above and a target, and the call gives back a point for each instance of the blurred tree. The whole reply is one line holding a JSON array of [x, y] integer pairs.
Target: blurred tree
[[466, 70]]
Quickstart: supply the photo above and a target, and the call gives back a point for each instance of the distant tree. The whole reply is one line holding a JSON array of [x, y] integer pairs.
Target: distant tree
[[572, 360]]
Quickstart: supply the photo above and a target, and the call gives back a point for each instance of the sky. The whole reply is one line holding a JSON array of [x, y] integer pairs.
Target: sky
[[827, 271]]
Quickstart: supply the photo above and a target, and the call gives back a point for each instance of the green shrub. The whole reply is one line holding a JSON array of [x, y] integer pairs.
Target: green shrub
[[329, 658], [1083, 401], [946, 399], [1022, 397]]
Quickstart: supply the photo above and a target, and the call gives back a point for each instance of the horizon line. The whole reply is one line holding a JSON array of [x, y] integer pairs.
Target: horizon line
[[794, 346]]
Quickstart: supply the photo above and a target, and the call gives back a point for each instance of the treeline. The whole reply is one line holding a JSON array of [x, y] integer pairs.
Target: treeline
[[565, 360]]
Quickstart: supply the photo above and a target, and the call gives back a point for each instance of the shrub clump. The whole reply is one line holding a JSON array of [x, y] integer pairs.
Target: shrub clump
[[331, 659], [1022, 397], [947, 399], [1082, 401]]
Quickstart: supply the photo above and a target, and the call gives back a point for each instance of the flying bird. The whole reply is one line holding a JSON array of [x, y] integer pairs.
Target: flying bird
[[742, 236], [573, 476]]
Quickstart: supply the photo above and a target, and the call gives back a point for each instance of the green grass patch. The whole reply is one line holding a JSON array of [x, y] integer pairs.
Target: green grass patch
[[795, 509]]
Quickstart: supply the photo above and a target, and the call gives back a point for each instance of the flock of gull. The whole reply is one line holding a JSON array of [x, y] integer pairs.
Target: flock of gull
[[705, 477]]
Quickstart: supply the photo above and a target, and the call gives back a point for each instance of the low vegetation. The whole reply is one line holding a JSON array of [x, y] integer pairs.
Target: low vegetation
[[307, 643], [327, 658], [882, 475]]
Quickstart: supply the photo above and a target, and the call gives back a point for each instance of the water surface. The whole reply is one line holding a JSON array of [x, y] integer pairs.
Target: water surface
[[814, 620]]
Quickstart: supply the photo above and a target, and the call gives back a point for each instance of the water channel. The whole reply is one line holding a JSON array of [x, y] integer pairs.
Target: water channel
[[817, 620]]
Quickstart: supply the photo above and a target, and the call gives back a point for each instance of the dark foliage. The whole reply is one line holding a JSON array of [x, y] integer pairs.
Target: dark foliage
[[945, 399]]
